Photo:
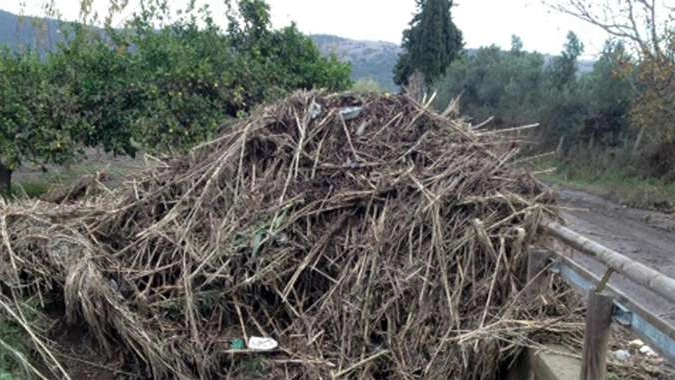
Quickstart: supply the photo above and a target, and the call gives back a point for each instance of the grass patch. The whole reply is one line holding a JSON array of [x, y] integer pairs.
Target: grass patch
[[15, 343], [252, 368], [13, 336], [33, 189], [615, 180], [37, 184]]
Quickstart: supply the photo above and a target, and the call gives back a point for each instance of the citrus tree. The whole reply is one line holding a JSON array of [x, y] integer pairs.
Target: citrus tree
[[33, 118], [155, 82]]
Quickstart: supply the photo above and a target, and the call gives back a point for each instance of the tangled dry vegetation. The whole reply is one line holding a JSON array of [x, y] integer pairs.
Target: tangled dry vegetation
[[382, 241]]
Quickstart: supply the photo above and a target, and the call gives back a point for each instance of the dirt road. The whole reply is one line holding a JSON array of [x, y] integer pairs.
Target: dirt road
[[645, 236]]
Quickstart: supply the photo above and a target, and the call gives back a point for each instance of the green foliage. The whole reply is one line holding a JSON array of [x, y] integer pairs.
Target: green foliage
[[649, 29], [94, 82], [431, 43], [563, 70], [33, 117], [162, 88], [179, 86], [495, 83], [516, 44], [562, 107], [518, 87], [608, 94], [367, 86], [13, 336]]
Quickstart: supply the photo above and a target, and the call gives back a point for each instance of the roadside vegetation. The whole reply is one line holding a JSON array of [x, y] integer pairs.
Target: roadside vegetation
[[611, 129], [602, 175]]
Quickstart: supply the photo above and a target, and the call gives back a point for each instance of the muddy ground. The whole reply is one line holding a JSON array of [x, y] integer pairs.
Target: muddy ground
[[645, 236]]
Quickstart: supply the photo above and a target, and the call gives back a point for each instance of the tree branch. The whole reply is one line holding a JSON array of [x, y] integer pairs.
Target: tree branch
[[630, 29]]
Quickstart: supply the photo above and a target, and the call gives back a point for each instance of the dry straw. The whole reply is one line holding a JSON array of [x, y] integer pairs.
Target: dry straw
[[377, 242]]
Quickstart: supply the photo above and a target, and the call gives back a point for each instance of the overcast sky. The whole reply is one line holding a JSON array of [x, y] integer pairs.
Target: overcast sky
[[483, 22]]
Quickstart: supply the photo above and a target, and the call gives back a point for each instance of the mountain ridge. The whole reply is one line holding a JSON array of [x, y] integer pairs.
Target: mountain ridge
[[369, 59], [25, 31]]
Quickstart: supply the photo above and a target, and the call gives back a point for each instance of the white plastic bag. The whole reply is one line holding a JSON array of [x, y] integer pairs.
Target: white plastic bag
[[262, 344]]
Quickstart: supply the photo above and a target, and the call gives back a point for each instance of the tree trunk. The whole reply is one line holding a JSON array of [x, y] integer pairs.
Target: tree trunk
[[416, 87], [5, 179]]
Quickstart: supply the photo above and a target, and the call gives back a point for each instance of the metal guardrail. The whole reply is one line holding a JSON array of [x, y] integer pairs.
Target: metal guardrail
[[653, 330], [610, 303], [636, 272]]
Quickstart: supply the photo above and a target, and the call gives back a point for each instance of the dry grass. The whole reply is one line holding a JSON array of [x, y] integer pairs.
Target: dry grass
[[387, 246]]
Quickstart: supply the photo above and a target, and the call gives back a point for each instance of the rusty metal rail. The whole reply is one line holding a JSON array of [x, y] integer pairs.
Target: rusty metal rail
[[636, 272], [608, 303]]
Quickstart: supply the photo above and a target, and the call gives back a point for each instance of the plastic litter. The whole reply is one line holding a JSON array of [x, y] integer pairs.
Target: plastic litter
[[350, 113], [637, 343], [238, 344], [646, 350], [621, 355], [262, 344], [316, 110]]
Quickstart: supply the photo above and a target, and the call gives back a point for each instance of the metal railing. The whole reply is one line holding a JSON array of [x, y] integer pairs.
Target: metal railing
[[606, 303]]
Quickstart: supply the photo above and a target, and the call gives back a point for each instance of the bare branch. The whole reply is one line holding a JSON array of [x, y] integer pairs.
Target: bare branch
[[631, 20]]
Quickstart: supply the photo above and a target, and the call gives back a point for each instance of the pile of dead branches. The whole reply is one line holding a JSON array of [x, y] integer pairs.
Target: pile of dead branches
[[371, 237], [87, 185]]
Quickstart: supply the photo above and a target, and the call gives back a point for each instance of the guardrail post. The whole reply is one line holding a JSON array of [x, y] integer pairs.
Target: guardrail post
[[598, 322]]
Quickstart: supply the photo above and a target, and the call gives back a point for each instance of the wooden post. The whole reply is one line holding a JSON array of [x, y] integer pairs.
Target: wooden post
[[598, 322]]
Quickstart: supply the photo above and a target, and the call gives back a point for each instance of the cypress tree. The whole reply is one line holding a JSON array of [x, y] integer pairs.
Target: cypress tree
[[431, 43]]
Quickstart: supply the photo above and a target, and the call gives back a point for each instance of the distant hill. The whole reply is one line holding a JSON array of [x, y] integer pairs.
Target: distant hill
[[31, 32], [586, 66], [369, 59], [376, 59]]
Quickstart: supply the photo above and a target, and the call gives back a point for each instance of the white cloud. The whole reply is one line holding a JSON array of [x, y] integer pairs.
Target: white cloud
[[483, 22]]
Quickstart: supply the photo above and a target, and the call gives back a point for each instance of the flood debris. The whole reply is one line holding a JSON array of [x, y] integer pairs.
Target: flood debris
[[395, 252], [85, 186], [262, 344], [621, 355]]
